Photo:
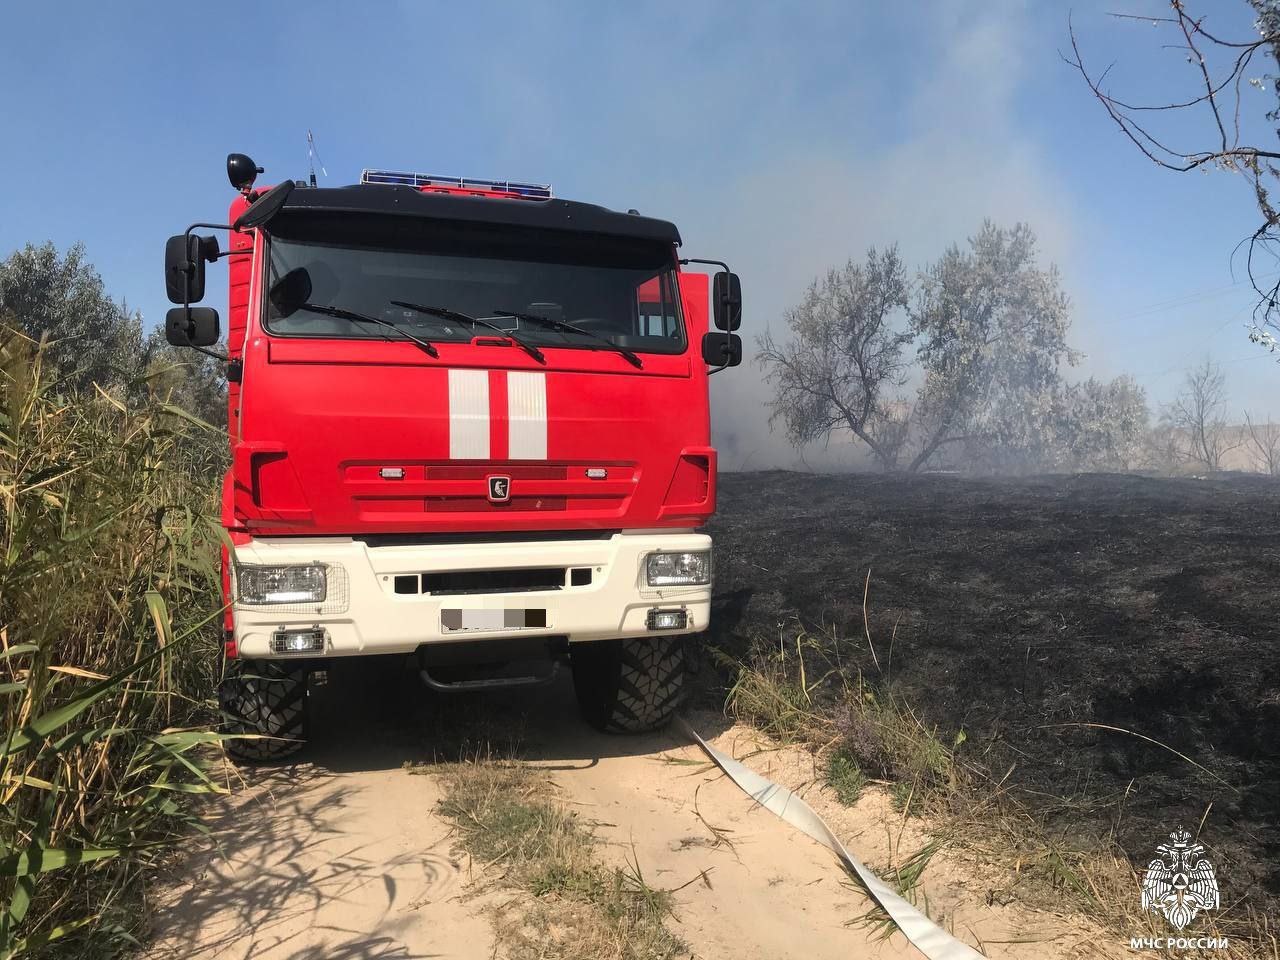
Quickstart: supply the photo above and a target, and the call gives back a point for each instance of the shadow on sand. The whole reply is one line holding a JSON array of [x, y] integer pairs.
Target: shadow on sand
[[337, 853], [375, 713]]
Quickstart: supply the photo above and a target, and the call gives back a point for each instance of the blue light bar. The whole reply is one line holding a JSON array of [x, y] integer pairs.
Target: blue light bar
[[534, 191]]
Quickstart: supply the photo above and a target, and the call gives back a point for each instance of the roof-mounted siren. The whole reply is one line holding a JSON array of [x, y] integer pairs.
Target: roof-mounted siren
[[431, 182]]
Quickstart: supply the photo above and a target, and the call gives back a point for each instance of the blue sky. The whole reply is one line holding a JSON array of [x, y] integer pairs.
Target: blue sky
[[782, 138]]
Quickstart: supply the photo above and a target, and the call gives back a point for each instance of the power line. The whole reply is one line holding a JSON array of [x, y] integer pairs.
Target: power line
[[1205, 339], [1186, 299]]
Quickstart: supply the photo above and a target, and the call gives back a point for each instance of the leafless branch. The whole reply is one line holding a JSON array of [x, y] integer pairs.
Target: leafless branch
[[1264, 444], [1221, 95]]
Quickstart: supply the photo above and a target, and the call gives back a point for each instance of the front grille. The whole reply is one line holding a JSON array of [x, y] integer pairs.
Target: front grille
[[479, 472], [454, 582], [484, 505], [448, 491]]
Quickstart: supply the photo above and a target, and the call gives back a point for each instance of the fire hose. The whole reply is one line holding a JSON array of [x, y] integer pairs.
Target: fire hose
[[927, 937]]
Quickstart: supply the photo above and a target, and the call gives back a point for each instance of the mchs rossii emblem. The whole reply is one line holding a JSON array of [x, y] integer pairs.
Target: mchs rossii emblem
[[1180, 883]]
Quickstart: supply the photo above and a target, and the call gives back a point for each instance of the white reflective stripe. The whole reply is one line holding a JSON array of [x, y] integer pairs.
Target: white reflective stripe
[[468, 414], [526, 415], [929, 938]]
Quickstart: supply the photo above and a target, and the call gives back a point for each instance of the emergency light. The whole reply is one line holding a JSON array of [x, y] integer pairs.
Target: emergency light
[[531, 191]]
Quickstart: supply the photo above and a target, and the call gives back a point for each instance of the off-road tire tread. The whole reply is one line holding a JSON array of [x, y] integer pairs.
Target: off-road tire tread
[[630, 685], [266, 697]]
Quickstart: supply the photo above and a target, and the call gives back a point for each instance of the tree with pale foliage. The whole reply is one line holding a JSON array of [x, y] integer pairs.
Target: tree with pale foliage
[[992, 327], [95, 340], [61, 297], [1105, 424], [989, 329], [844, 361], [1198, 417]]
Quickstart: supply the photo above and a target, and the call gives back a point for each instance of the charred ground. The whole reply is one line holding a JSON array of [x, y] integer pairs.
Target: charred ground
[[1026, 607]]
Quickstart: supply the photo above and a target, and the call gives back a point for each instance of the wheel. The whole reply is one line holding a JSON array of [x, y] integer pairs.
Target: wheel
[[629, 686], [266, 697]]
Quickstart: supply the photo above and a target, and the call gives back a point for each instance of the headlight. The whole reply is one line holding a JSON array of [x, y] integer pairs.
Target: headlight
[[678, 569], [291, 584]]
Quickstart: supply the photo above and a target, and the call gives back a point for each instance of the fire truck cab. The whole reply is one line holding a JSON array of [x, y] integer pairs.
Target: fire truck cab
[[469, 424]]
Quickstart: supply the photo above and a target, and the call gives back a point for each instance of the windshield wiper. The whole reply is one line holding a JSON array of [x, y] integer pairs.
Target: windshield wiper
[[565, 325], [354, 317], [444, 313]]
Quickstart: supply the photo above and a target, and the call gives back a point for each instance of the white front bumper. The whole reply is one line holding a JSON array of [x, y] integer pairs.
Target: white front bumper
[[373, 618]]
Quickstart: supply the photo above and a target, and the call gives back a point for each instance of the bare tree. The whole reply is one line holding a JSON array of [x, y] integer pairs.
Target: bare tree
[[1264, 443], [1220, 68], [845, 357], [1197, 413]]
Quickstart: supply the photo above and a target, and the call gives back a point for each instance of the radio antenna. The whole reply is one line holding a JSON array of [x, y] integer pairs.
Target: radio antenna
[[313, 158]]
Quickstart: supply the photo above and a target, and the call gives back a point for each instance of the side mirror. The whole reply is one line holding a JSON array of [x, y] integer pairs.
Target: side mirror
[[290, 292], [192, 327], [727, 298], [265, 207], [722, 349], [184, 258]]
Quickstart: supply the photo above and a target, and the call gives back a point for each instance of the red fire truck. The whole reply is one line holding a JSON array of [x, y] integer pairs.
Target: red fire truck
[[469, 424]]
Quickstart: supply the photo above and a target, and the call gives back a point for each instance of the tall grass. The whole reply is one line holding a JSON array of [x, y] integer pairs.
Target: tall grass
[[109, 625]]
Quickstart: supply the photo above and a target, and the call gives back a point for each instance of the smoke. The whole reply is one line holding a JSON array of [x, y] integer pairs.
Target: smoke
[[783, 142], [794, 208]]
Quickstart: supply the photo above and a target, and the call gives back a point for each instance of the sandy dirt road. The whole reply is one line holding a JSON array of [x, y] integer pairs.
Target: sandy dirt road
[[342, 855]]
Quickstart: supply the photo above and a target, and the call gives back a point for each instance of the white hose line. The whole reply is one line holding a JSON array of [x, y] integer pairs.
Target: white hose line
[[929, 938]]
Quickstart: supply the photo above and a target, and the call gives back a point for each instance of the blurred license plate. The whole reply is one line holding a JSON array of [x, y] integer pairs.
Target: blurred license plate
[[454, 621]]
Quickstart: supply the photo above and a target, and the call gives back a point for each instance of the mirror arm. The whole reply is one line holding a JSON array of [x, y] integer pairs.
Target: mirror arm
[[728, 333], [186, 245], [186, 282], [715, 263], [209, 353], [208, 226]]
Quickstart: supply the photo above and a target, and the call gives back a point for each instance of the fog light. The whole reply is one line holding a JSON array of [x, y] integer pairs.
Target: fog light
[[304, 583], [298, 641], [667, 619], [678, 569]]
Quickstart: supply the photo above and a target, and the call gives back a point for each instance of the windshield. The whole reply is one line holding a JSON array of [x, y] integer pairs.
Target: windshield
[[624, 293]]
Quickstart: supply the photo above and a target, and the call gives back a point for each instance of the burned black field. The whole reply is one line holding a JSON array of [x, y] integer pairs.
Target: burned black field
[[1027, 608]]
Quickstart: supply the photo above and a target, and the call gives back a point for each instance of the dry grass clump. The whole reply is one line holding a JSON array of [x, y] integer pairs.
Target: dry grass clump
[[574, 906], [863, 732]]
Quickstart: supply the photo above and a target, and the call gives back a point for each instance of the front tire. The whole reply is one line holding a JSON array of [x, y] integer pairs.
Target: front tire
[[629, 686], [264, 697]]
